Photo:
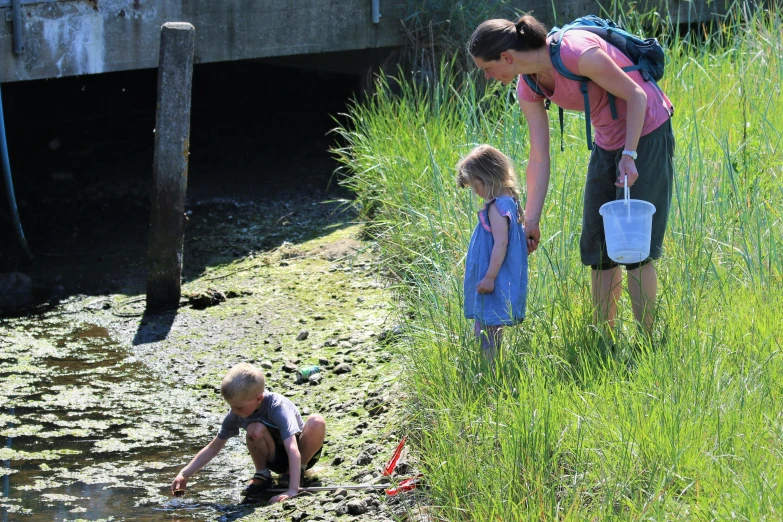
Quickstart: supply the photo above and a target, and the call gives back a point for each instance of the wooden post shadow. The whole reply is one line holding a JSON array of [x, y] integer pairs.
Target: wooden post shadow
[[170, 168]]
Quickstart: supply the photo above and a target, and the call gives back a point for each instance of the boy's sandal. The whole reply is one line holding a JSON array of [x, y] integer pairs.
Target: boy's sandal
[[258, 485]]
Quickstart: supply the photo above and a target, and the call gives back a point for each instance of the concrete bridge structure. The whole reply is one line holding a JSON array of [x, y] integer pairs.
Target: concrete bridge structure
[[54, 38]]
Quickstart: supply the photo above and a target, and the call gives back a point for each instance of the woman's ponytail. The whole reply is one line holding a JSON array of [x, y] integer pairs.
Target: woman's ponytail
[[531, 32]]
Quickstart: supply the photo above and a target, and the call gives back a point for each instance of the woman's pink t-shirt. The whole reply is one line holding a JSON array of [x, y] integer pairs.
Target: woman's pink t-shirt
[[609, 133]]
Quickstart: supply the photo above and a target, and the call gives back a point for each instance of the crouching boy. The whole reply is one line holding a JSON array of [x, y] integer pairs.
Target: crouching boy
[[276, 437]]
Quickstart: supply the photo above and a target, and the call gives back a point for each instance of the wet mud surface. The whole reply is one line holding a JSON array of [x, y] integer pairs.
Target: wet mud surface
[[100, 403], [103, 403]]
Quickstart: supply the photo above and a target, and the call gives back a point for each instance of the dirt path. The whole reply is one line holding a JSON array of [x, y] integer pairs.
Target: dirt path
[[301, 289]]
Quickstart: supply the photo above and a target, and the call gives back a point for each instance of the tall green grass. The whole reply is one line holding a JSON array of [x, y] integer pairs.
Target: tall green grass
[[688, 427]]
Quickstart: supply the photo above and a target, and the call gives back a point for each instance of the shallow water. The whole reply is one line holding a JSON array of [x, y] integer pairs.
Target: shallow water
[[87, 432]]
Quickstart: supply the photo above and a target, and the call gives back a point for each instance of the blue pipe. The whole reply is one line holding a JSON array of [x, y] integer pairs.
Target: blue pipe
[[9, 185]]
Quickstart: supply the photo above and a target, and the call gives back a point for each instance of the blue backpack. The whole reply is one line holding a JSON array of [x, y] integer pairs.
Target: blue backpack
[[647, 56]]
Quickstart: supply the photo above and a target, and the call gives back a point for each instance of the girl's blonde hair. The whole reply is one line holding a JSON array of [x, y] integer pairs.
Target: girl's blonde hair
[[493, 168]]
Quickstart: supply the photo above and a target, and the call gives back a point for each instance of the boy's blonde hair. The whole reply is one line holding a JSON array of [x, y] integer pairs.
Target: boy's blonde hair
[[492, 167], [242, 381]]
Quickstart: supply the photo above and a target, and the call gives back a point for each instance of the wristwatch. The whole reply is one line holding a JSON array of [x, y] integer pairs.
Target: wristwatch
[[631, 153]]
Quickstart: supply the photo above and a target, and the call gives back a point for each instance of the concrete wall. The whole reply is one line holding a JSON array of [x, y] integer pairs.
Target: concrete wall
[[73, 37]]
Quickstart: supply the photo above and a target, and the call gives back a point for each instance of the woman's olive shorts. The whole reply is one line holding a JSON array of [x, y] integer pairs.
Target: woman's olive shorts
[[656, 179]]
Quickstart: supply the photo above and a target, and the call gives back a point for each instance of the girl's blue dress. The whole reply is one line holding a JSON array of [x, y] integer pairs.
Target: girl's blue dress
[[506, 304]]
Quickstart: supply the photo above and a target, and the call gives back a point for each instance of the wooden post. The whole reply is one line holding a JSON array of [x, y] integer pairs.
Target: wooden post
[[170, 168]]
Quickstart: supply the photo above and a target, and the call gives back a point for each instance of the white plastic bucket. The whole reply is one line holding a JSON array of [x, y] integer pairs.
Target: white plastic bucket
[[627, 228]]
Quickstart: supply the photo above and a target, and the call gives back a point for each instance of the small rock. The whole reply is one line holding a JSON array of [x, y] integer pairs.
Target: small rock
[[298, 517], [342, 368], [315, 379], [357, 507], [387, 336], [289, 367], [375, 406], [302, 335], [342, 509], [341, 493], [266, 364], [402, 468], [330, 343], [363, 459], [336, 462], [323, 362], [202, 300]]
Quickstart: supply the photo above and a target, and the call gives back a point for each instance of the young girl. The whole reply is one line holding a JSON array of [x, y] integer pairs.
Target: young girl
[[496, 267]]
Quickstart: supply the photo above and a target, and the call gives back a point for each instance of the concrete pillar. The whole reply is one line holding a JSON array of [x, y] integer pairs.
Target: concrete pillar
[[170, 168]]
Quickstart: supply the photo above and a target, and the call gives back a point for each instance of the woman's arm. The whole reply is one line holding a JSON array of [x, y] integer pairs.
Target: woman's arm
[[537, 172], [600, 68]]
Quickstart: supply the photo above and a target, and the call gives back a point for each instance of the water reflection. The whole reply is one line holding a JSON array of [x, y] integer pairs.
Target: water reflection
[[91, 434]]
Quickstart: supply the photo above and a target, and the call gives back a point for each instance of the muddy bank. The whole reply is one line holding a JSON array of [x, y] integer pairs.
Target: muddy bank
[[102, 404]]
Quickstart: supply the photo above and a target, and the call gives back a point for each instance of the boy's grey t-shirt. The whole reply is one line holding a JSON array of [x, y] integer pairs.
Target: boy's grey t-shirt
[[275, 411]]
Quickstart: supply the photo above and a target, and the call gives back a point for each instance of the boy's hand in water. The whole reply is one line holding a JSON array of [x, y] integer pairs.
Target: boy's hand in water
[[486, 286], [179, 485], [282, 497]]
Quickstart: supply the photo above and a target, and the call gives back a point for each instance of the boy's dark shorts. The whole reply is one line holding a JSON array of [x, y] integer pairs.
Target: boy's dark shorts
[[655, 183], [280, 464]]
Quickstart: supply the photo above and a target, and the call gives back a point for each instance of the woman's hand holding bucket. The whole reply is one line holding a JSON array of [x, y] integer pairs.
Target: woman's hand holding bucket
[[627, 168]]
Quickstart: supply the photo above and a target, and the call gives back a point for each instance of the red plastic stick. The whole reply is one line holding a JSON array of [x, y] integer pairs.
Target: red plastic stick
[[405, 485], [389, 469]]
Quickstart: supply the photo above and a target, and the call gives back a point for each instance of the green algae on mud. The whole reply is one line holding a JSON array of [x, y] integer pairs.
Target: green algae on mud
[[139, 410]]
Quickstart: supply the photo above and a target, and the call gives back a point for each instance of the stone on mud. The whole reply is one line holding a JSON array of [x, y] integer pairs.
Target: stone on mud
[[302, 335], [357, 507], [363, 459], [16, 290], [375, 406], [390, 335], [205, 299], [342, 368]]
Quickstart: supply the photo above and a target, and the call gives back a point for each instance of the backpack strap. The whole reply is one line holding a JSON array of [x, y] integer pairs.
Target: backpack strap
[[557, 62]]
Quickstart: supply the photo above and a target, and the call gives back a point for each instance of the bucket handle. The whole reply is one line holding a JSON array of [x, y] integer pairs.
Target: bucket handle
[[627, 192]]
